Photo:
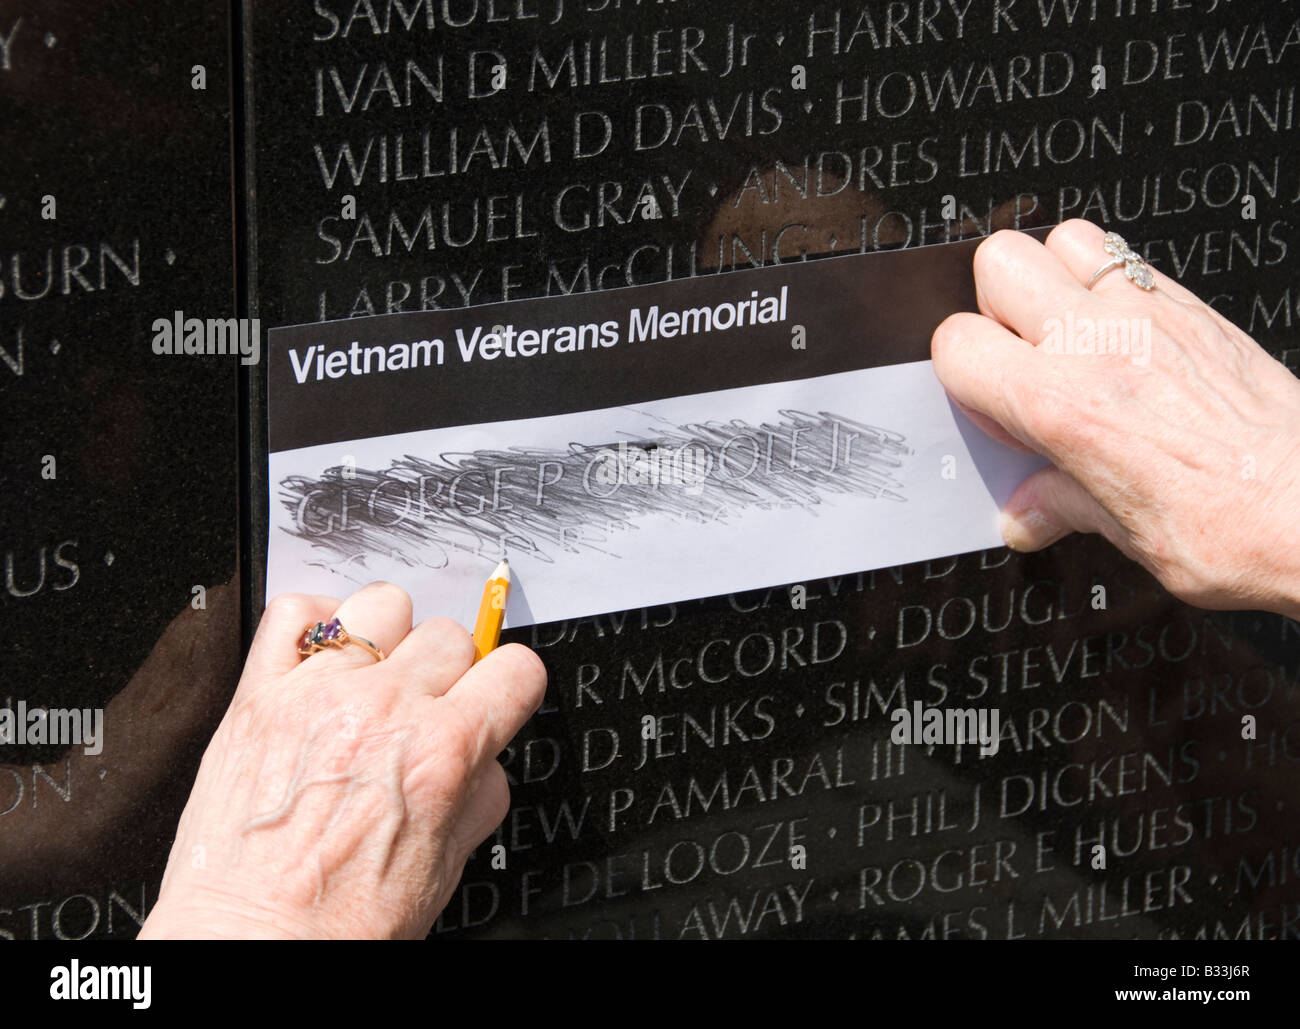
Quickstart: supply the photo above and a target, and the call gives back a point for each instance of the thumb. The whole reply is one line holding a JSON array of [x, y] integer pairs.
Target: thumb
[[1049, 505]]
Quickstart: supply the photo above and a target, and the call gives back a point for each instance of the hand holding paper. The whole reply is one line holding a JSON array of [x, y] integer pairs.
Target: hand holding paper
[[653, 444], [1188, 460]]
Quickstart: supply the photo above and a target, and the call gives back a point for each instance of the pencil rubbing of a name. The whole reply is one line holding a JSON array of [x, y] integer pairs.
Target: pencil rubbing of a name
[[550, 501]]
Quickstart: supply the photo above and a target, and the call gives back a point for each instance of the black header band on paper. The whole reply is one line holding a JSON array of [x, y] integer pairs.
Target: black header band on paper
[[857, 311]]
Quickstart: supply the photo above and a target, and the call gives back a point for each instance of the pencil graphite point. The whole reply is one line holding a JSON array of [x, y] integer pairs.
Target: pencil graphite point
[[502, 571]]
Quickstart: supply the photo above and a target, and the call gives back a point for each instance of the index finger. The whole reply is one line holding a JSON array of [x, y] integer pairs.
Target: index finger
[[990, 370], [497, 696]]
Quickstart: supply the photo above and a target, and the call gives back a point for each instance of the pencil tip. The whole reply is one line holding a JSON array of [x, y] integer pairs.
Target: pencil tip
[[502, 571]]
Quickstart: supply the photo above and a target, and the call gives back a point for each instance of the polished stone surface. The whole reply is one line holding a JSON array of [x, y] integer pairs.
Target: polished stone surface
[[121, 466], [628, 143], [1122, 724]]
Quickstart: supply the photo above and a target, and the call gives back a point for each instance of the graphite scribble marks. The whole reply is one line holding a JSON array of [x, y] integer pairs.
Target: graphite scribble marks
[[545, 501]]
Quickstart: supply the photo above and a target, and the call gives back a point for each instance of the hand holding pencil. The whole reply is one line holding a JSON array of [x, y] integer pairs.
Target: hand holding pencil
[[408, 747]]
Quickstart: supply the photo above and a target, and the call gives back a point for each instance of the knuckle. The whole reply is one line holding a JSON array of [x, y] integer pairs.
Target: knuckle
[[459, 643], [390, 590], [458, 743], [290, 606], [447, 749], [953, 330], [1070, 234], [994, 252], [527, 666]]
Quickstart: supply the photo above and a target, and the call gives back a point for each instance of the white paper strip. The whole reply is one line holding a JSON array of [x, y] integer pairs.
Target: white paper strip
[[647, 504]]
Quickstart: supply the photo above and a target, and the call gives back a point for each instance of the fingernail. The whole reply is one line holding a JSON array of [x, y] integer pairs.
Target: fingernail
[[1026, 530]]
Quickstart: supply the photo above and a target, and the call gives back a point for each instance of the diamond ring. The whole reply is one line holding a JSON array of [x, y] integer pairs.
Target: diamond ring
[[1137, 270]]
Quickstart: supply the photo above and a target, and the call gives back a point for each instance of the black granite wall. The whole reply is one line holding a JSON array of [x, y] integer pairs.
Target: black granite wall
[[764, 132], [121, 467]]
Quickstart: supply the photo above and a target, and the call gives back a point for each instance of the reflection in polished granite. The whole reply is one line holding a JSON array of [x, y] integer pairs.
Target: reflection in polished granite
[[771, 802], [98, 111]]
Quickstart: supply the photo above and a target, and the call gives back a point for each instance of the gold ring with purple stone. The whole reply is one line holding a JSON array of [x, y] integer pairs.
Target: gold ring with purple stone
[[332, 634]]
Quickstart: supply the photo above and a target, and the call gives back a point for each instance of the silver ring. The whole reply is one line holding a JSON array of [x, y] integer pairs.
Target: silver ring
[[1138, 271]]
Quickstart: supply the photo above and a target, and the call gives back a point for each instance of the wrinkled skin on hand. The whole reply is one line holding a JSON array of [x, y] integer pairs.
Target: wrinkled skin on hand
[[1188, 462], [341, 796]]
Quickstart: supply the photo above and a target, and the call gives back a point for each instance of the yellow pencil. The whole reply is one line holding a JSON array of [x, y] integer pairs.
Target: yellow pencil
[[491, 611]]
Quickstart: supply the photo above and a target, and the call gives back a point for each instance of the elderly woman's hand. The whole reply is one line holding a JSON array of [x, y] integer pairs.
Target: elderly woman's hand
[[1182, 449], [341, 796]]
